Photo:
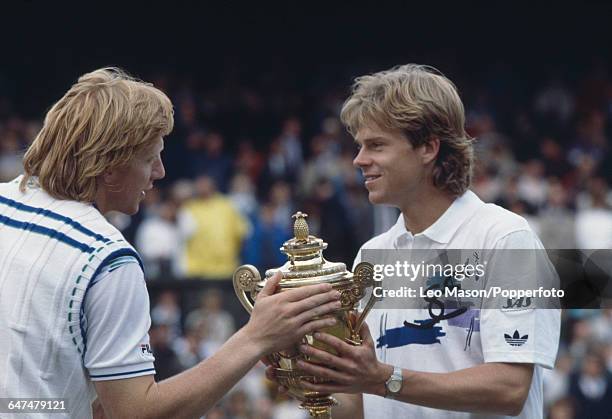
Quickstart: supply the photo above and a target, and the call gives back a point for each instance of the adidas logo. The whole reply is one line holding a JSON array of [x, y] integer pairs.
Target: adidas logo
[[515, 339]]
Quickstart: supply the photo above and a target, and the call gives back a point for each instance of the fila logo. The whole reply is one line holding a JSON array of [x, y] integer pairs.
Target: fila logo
[[145, 349], [515, 339]]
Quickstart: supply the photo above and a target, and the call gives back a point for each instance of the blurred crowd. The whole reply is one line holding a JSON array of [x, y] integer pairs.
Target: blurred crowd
[[245, 155]]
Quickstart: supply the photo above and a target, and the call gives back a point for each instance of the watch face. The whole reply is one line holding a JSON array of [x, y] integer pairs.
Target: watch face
[[394, 386]]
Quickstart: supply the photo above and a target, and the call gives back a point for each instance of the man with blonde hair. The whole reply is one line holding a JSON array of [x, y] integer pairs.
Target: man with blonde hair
[[414, 153], [74, 309]]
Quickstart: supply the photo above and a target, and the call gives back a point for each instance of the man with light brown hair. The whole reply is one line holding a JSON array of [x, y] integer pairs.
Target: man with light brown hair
[[414, 153], [74, 308]]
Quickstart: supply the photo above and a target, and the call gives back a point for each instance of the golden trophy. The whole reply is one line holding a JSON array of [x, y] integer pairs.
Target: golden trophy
[[306, 266]]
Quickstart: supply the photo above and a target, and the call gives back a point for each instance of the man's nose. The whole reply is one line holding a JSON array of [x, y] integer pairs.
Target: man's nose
[[361, 159], [160, 171]]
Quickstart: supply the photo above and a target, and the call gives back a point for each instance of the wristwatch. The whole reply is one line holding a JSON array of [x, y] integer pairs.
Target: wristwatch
[[394, 383]]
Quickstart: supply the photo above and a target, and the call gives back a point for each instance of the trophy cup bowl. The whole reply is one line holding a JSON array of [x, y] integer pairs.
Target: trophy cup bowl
[[306, 266]]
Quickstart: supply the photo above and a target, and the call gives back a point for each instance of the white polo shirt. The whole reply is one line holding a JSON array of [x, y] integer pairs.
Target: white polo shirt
[[475, 337]]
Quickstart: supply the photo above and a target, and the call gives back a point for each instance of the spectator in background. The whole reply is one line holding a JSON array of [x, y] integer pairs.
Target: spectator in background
[[249, 160], [601, 326], [178, 152], [282, 200], [531, 185], [554, 106], [592, 387], [216, 323], [511, 200], [166, 361], [594, 223], [215, 163], [182, 191], [554, 160], [187, 347], [499, 157], [360, 213], [187, 112], [556, 219], [324, 163], [556, 381], [213, 231], [591, 139], [157, 240], [580, 338], [130, 224], [277, 168], [291, 144], [194, 158], [242, 195], [487, 184], [335, 224], [168, 312], [581, 175], [267, 237]]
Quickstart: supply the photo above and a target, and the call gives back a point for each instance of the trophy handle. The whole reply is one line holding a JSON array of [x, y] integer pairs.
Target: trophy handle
[[364, 277], [245, 280]]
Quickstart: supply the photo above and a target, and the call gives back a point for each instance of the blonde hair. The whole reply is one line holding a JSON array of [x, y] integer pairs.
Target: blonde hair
[[100, 123], [421, 103]]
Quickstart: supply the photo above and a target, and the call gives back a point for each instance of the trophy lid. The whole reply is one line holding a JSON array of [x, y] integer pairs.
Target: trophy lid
[[306, 264]]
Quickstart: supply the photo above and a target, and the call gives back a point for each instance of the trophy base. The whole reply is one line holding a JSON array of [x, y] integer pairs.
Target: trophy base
[[319, 408]]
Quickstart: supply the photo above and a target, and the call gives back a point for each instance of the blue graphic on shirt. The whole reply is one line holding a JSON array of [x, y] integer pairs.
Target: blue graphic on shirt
[[401, 336], [429, 331]]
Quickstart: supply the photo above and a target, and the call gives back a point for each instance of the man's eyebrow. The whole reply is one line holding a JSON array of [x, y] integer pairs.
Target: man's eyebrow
[[370, 139]]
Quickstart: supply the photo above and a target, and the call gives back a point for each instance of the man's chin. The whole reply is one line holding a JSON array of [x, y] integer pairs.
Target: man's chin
[[381, 199], [376, 199], [131, 210], [135, 210]]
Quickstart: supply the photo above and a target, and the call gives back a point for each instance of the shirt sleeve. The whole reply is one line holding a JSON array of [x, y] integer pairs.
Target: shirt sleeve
[[519, 332], [118, 319]]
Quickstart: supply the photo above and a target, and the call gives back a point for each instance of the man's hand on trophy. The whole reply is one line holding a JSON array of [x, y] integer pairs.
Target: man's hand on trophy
[[281, 320], [354, 370], [271, 375]]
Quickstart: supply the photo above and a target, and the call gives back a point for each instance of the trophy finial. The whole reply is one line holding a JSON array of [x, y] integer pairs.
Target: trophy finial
[[300, 226]]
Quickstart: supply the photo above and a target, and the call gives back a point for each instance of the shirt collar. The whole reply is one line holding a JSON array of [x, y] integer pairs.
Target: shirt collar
[[445, 227]]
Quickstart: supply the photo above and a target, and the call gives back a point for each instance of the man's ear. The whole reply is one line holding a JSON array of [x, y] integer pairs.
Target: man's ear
[[430, 150], [109, 176]]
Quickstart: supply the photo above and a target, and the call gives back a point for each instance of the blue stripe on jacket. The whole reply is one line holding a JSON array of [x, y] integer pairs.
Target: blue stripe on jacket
[[53, 215], [54, 234]]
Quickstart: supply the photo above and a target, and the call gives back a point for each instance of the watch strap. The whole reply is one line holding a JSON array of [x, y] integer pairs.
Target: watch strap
[[396, 376]]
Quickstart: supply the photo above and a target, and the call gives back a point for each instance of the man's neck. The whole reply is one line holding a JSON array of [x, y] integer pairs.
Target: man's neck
[[425, 209], [100, 202]]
